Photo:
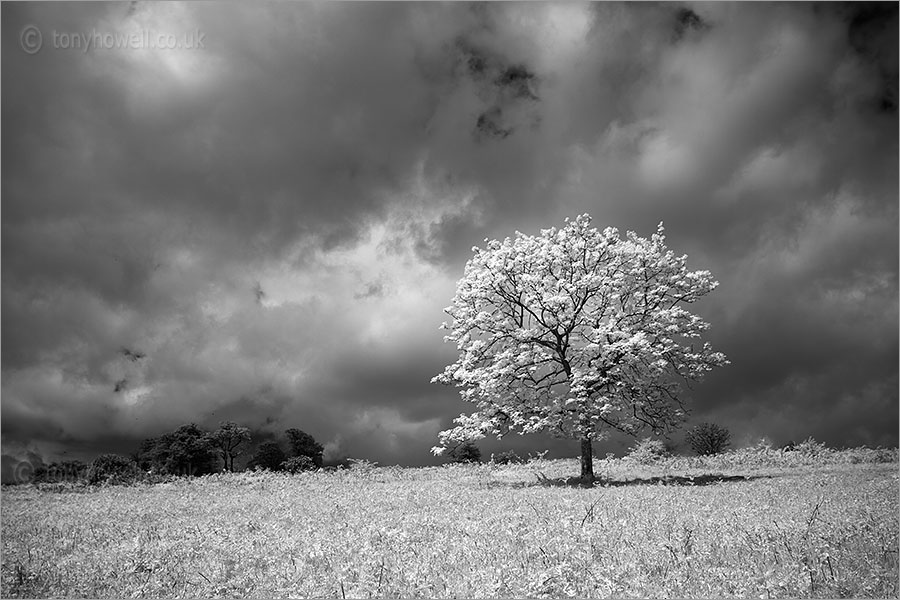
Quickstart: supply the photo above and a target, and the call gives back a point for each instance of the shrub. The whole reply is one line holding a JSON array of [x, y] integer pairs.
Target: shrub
[[811, 448], [707, 439], [506, 458], [298, 464], [113, 469], [467, 452], [648, 451]]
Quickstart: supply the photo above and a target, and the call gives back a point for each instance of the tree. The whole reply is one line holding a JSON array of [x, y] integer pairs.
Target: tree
[[186, 451], [227, 439], [303, 444], [466, 452], [269, 455], [112, 468], [707, 439], [576, 332]]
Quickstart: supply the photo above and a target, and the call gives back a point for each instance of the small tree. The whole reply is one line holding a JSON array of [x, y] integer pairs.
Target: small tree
[[576, 332], [269, 455], [303, 444], [648, 451], [466, 452], [707, 439], [227, 439]]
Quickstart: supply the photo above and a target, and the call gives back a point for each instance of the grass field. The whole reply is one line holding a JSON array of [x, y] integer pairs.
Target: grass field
[[731, 526]]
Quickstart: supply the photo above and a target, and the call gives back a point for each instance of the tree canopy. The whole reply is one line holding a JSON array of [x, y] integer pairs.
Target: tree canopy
[[303, 444], [228, 439], [269, 455], [185, 451], [577, 332]]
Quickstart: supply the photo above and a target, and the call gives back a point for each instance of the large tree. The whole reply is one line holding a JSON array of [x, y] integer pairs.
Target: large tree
[[228, 439], [577, 332]]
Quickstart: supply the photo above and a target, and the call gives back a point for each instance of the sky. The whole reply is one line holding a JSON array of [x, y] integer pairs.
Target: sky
[[258, 213]]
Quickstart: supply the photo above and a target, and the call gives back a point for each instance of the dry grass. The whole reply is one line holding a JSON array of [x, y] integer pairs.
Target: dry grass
[[827, 529]]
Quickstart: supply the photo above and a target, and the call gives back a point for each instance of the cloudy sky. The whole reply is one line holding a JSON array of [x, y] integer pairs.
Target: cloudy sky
[[265, 224]]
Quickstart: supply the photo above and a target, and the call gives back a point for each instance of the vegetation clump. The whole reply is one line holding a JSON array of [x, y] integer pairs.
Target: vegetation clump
[[707, 439], [298, 464], [648, 451], [506, 458], [113, 469], [466, 452]]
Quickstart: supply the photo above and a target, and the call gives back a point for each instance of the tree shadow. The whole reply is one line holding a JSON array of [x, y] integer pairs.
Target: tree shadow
[[678, 480], [688, 480]]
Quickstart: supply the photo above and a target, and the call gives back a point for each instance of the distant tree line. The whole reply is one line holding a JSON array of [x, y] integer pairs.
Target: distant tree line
[[303, 453], [67, 470], [191, 450]]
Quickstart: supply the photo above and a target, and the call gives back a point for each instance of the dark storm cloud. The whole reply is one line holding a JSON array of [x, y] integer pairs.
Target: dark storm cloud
[[276, 220]]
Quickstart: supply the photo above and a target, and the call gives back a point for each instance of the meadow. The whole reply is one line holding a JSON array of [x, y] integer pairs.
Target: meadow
[[750, 523]]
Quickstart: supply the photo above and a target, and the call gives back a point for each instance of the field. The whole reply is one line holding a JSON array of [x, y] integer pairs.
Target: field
[[749, 524]]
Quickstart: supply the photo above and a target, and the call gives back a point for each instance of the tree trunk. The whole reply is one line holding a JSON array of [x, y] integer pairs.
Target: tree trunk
[[587, 461]]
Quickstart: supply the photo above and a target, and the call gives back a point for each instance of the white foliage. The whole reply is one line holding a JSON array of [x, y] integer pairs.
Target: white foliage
[[575, 331]]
